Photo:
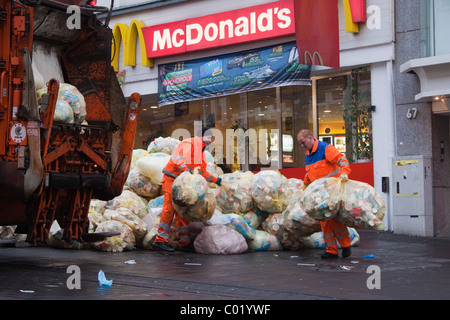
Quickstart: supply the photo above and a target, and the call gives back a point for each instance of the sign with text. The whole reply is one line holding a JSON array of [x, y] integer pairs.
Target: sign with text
[[271, 20], [231, 73]]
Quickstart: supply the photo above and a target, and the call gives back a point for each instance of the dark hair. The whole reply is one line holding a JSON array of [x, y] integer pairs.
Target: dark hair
[[204, 129]]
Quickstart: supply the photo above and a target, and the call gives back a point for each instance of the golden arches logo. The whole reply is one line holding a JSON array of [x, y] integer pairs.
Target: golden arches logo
[[128, 35], [312, 58]]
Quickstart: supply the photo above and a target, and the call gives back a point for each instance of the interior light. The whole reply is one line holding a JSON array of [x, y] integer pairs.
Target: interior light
[[261, 114], [154, 107]]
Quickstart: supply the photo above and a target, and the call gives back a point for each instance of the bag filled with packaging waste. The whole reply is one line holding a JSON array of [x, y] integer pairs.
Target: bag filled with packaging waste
[[142, 185], [239, 223], [220, 239], [125, 241], [128, 218], [296, 220], [269, 191], [192, 198], [264, 241], [165, 145], [234, 194], [137, 154], [63, 112], [362, 207], [130, 200], [321, 199], [152, 166]]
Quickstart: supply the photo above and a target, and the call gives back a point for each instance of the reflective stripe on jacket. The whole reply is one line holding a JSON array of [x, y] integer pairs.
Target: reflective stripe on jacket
[[325, 161], [188, 155]]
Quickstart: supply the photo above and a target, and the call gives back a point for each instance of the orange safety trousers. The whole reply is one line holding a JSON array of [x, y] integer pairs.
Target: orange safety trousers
[[168, 214], [334, 231]]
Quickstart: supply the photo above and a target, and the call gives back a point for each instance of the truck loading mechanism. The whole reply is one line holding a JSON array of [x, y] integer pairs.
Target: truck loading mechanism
[[51, 170]]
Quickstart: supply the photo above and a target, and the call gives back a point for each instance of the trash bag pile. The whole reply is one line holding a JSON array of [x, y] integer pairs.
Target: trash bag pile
[[261, 211]]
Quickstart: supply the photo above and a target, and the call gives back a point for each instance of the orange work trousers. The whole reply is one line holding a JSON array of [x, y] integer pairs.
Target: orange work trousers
[[334, 232], [168, 214]]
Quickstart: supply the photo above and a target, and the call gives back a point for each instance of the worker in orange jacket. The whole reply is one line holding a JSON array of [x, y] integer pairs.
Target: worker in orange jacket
[[188, 155], [323, 160]]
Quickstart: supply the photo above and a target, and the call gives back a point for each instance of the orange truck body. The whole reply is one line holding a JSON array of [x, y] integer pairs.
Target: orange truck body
[[50, 171]]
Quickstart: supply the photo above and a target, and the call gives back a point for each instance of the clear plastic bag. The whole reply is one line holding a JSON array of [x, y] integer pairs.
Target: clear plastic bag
[[234, 194], [269, 191], [142, 185], [297, 221], [165, 145], [192, 198], [362, 207], [264, 241], [321, 199]]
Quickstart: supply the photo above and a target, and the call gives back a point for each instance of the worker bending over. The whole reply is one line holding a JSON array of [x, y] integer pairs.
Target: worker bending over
[[188, 155]]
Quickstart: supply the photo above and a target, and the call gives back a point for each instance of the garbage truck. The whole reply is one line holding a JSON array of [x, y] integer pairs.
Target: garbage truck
[[52, 54]]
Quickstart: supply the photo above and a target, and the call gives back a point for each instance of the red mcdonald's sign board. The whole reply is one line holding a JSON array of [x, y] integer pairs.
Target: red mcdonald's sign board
[[317, 32]]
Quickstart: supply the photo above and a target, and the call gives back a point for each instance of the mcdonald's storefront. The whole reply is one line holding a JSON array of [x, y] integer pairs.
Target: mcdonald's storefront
[[247, 64]]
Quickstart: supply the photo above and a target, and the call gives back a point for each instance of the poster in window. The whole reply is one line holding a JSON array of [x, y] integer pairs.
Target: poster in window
[[339, 143]]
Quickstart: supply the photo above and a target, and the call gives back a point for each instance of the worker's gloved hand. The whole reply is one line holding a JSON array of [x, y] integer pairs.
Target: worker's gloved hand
[[344, 177], [219, 181]]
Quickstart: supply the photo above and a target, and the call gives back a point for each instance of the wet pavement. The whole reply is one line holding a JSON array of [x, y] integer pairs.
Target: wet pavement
[[402, 267]]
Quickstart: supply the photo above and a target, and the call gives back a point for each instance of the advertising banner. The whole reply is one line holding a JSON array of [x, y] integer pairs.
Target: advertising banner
[[231, 73]]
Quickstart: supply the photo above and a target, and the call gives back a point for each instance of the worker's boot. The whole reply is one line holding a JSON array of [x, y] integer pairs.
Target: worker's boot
[[188, 248], [163, 246], [328, 255], [346, 252]]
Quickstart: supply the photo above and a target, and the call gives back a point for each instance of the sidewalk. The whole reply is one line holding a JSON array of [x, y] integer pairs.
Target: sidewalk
[[409, 268]]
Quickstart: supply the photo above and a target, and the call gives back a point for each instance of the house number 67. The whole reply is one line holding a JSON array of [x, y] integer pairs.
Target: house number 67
[[412, 113]]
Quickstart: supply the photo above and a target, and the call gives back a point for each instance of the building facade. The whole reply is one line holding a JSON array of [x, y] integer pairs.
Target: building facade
[[365, 108]]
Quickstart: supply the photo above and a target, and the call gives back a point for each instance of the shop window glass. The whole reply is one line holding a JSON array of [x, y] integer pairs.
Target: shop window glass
[[344, 114], [264, 116], [296, 104]]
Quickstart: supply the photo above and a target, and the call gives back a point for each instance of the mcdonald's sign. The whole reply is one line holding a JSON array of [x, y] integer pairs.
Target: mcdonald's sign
[[317, 32], [129, 35]]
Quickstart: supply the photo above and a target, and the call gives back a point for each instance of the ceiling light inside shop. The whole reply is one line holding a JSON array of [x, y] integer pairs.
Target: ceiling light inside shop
[[154, 107], [261, 114]]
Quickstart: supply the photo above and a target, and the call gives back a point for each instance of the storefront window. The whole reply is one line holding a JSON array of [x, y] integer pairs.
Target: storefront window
[[343, 118], [297, 114], [344, 113]]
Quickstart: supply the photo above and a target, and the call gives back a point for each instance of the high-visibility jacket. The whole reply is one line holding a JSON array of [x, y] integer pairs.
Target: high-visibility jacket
[[188, 155], [325, 161]]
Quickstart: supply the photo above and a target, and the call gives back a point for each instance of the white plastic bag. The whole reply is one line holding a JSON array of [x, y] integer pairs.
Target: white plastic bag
[[220, 239], [152, 165]]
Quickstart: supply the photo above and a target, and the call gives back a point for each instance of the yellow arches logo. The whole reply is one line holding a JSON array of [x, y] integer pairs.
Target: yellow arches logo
[[128, 35]]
